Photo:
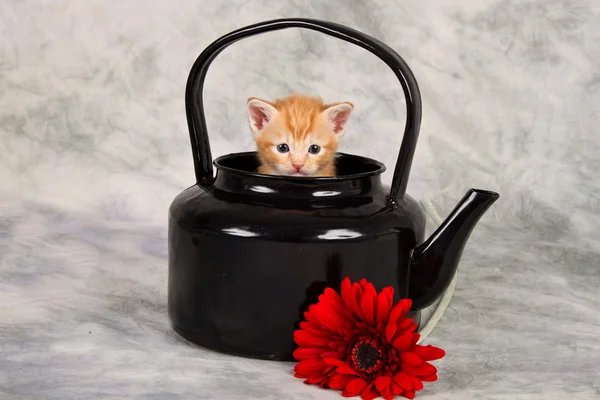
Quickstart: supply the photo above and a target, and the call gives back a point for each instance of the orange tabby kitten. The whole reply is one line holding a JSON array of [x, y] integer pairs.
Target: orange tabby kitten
[[297, 135]]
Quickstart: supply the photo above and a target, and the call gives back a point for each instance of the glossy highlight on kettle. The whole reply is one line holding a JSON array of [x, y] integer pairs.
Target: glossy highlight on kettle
[[248, 253]]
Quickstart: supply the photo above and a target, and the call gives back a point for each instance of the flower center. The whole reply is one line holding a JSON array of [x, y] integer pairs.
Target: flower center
[[367, 356]]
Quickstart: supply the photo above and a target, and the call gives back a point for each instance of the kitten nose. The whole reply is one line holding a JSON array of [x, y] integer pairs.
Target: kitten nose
[[297, 166]]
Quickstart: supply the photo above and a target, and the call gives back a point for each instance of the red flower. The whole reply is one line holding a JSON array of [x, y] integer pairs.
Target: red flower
[[363, 344]]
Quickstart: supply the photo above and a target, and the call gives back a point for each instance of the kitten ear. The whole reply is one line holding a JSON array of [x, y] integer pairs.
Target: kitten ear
[[338, 115], [260, 113]]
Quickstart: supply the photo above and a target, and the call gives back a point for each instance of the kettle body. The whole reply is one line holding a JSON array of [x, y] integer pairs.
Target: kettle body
[[250, 253]]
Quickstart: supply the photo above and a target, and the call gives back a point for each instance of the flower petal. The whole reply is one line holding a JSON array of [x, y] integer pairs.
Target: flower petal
[[332, 301], [382, 383], [333, 361], [367, 306], [315, 379], [342, 367], [329, 319], [349, 298], [307, 368], [357, 292], [312, 328], [429, 353], [333, 354], [399, 311], [383, 307], [355, 387], [424, 369], [406, 325], [409, 394], [390, 294], [408, 357], [370, 288], [396, 389], [346, 286], [429, 378], [417, 383], [369, 393], [403, 380], [306, 339], [415, 338], [337, 345], [339, 381], [332, 298], [390, 331], [305, 353], [402, 343]]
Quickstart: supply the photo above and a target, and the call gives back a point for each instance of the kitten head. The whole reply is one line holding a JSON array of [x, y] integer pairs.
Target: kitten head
[[297, 135]]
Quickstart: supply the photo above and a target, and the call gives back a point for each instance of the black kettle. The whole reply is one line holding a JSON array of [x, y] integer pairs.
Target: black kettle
[[248, 253]]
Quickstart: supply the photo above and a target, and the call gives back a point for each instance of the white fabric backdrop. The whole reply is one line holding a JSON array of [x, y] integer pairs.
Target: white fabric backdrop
[[94, 147]]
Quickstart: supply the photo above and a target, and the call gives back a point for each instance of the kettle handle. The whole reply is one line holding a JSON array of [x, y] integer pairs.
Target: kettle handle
[[195, 83]]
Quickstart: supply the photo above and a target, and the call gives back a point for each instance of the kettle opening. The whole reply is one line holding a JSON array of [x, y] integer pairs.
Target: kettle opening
[[348, 166]]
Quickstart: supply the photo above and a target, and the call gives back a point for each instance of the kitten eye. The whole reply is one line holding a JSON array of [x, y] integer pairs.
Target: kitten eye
[[283, 148], [314, 149]]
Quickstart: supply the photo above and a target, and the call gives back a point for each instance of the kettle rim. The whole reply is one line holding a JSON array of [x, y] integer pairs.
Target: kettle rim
[[378, 169]]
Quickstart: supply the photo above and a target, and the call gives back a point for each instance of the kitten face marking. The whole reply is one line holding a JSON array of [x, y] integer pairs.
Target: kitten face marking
[[297, 135]]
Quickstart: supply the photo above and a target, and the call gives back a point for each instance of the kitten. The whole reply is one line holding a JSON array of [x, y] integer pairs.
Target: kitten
[[297, 135]]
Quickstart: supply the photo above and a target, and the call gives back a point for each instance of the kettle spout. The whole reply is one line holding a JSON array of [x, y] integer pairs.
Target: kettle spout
[[434, 262]]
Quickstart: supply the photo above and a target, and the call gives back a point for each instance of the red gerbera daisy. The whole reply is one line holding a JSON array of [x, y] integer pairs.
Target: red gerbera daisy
[[363, 344]]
